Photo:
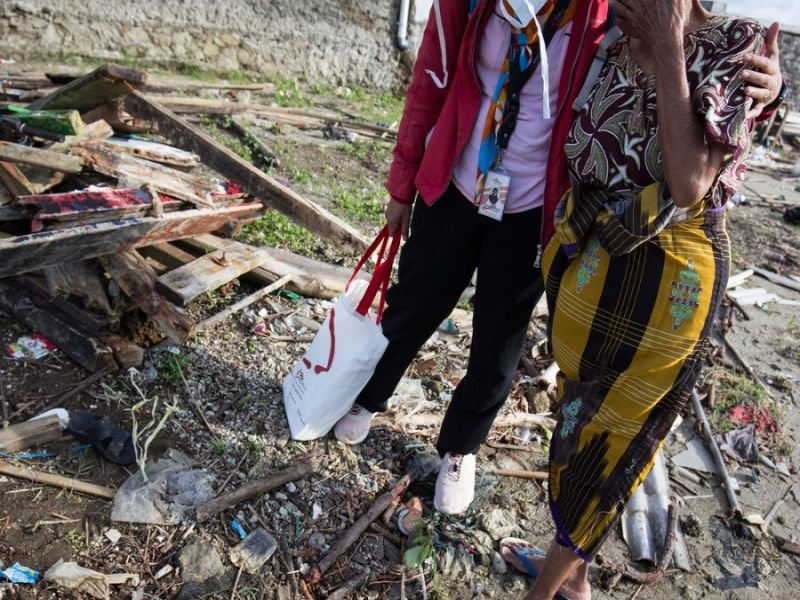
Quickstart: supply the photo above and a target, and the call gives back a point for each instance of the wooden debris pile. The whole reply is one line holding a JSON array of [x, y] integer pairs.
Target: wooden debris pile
[[97, 224]]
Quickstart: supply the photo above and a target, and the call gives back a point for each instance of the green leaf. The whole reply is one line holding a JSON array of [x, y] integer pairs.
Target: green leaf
[[414, 557]]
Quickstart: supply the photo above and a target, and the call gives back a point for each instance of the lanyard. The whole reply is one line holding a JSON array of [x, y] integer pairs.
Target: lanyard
[[517, 78]]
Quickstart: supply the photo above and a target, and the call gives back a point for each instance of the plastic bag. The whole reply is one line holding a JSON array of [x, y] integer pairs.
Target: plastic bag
[[324, 384]]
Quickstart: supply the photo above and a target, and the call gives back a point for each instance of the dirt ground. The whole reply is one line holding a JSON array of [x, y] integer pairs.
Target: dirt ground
[[233, 376]]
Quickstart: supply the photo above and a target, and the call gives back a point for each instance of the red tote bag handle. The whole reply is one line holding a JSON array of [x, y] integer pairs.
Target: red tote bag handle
[[381, 275]]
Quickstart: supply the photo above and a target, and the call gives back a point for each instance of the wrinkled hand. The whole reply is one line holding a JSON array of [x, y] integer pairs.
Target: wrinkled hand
[[657, 21], [398, 217], [764, 74]]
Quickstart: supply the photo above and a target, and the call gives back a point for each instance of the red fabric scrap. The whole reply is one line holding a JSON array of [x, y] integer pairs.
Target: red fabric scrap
[[763, 419]]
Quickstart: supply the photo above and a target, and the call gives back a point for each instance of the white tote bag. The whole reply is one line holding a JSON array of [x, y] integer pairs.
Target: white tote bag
[[322, 387]]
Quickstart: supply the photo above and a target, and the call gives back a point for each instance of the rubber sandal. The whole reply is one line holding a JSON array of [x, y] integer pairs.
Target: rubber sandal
[[111, 441], [523, 551]]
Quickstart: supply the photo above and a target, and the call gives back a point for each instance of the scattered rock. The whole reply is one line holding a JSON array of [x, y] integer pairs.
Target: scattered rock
[[498, 564], [200, 561], [691, 525], [498, 523]]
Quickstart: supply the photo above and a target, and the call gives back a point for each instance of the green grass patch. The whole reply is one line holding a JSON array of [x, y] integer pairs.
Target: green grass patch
[[361, 204], [274, 229], [733, 390]]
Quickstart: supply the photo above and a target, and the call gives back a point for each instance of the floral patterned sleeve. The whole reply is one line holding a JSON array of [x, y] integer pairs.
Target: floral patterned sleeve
[[719, 96]]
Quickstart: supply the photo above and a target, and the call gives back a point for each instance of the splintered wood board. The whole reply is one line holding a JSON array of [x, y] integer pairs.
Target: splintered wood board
[[17, 153], [38, 250], [102, 85], [209, 272]]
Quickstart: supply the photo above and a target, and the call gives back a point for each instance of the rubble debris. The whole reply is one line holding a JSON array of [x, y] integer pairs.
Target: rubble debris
[[778, 279], [255, 550], [255, 182]]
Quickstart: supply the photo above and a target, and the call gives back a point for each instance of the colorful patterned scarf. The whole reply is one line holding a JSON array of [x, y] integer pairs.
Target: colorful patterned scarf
[[524, 48]]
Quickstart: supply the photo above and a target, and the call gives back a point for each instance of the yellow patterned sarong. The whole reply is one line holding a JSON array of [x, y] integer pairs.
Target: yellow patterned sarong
[[628, 333]]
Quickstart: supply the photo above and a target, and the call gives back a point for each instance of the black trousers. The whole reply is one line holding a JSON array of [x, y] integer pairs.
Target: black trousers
[[448, 241]]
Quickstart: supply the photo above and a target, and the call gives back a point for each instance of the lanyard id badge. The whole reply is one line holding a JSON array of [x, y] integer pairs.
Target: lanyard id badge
[[492, 201]]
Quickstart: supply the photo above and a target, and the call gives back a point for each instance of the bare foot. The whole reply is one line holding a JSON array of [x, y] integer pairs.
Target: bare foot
[[528, 559]]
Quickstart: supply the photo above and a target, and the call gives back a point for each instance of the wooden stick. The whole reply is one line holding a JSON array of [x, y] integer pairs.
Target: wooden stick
[[58, 481], [774, 510], [722, 470], [243, 303], [298, 471], [777, 279], [356, 529], [539, 475]]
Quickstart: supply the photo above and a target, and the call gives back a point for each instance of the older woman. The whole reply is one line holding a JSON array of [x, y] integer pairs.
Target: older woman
[[639, 262]]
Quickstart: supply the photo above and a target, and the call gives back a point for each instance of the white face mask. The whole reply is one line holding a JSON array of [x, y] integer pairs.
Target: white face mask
[[522, 11]]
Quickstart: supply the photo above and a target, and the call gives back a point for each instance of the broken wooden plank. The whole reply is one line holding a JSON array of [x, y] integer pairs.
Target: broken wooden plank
[[64, 122], [21, 436], [37, 157], [207, 273], [777, 278], [84, 350], [93, 132], [38, 250], [59, 481], [126, 353], [311, 277], [79, 279], [137, 172], [92, 206], [243, 303], [14, 180], [153, 151], [138, 280], [65, 310], [260, 185], [167, 254], [102, 85]]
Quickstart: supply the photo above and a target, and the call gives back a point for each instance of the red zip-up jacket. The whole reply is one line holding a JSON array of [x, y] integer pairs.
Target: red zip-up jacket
[[446, 116]]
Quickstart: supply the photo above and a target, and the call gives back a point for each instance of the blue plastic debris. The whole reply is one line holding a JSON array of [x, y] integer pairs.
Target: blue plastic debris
[[19, 574], [236, 526]]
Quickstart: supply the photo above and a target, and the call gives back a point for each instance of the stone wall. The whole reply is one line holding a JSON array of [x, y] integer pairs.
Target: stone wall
[[336, 42], [789, 42]]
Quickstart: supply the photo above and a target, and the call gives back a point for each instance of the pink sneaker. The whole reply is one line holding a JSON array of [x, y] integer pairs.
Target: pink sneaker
[[353, 428], [455, 486]]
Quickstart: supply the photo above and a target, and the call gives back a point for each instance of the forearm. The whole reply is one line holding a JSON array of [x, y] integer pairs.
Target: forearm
[[690, 165]]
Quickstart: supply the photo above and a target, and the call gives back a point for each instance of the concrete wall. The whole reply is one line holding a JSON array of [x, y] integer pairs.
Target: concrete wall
[[332, 41]]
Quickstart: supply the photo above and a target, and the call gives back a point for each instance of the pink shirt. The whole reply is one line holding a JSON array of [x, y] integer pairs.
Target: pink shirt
[[525, 160]]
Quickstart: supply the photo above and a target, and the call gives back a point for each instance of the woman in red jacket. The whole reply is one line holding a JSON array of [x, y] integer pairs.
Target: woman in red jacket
[[489, 106]]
